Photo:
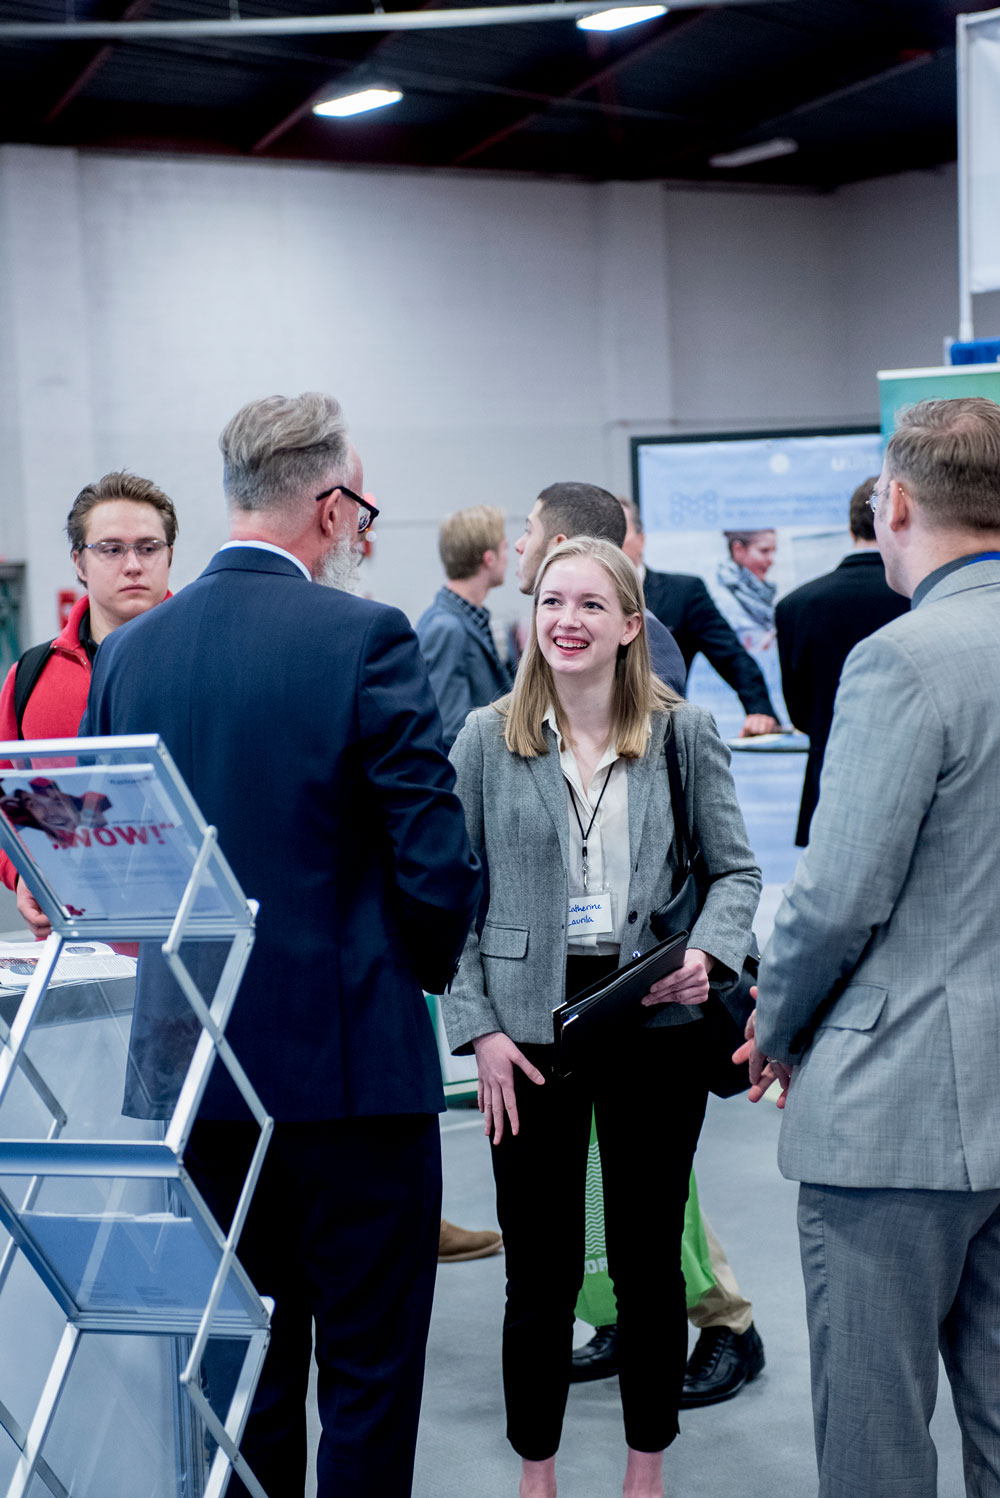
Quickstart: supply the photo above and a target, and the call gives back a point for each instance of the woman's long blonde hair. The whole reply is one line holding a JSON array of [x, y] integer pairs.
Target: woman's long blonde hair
[[636, 691]]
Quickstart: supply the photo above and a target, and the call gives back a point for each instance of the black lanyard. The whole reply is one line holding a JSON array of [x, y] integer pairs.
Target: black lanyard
[[584, 836]]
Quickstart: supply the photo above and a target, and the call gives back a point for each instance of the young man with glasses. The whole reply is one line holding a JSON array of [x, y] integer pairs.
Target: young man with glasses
[[121, 531]]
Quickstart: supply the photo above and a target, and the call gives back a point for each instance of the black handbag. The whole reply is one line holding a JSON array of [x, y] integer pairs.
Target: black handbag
[[728, 1009]]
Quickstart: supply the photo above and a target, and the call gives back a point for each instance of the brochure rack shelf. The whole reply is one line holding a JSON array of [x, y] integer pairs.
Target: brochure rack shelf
[[146, 1336]]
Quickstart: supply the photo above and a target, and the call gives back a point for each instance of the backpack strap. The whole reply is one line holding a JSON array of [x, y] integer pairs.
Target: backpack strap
[[26, 673]]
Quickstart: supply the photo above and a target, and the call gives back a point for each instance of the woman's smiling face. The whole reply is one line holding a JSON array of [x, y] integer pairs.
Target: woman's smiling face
[[579, 620]]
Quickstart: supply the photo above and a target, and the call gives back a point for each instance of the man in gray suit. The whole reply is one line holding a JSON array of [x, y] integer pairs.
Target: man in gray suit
[[881, 988]]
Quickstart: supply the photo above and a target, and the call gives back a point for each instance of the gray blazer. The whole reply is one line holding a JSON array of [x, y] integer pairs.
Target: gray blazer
[[513, 975], [882, 978]]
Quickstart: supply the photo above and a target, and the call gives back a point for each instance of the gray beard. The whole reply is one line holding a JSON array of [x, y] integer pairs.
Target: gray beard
[[340, 567]]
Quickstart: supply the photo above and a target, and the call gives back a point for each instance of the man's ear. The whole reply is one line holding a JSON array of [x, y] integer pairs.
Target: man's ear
[[556, 540], [488, 558], [899, 505], [328, 512]]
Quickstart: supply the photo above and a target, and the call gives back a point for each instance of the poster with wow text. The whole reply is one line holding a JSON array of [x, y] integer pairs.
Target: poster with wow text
[[787, 497], [108, 839]]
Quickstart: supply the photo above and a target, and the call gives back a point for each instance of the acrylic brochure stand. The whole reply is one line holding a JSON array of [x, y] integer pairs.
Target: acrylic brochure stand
[[144, 1336]]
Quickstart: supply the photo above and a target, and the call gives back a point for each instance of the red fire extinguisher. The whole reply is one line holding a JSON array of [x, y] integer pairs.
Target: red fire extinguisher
[[65, 599]]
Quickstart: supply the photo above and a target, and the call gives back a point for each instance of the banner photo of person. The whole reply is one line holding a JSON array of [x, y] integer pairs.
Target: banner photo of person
[[752, 515], [107, 839]]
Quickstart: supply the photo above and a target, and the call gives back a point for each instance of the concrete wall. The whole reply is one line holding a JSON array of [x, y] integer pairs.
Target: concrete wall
[[486, 336]]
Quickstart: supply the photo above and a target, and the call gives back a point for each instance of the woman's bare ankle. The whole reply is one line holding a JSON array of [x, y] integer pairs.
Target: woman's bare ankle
[[643, 1474], [538, 1479]]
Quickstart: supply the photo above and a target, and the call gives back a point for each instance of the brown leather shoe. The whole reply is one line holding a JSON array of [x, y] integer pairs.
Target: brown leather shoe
[[456, 1244]]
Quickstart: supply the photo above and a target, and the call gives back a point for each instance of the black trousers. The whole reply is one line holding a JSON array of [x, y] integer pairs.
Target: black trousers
[[343, 1231], [649, 1098]]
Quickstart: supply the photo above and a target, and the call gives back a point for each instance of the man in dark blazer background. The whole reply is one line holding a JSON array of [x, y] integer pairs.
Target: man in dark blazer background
[[819, 625], [683, 603], [302, 719]]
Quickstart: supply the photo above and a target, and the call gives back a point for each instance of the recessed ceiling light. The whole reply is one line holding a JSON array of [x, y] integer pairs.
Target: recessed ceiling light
[[624, 15], [765, 151], [368, 98]]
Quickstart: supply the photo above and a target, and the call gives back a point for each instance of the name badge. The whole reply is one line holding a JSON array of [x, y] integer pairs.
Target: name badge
[[590, 915]]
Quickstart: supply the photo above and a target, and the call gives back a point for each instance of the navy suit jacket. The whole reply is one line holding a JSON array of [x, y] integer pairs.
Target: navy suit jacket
[[664, 656], [462, 661], [685, 606], [818, 626], [302, 719]]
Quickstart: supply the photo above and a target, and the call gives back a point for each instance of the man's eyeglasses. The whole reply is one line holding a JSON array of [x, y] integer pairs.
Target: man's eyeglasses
[[116, 551], [874, 498], [367, 514]]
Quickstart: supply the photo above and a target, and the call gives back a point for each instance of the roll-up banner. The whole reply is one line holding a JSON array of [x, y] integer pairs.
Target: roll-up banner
[[978, 158]]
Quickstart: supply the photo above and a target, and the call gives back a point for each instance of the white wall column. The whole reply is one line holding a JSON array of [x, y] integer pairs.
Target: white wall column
[[46, 375], [634, 313]]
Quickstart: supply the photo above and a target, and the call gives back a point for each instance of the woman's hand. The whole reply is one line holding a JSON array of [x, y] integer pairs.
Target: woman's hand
[[496, 1058], [688, 985]]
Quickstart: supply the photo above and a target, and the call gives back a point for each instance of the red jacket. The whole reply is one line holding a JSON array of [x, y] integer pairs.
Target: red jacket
[[57, 704]]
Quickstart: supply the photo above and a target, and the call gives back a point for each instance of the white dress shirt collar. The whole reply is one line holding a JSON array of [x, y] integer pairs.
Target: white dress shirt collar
[[279, 551]]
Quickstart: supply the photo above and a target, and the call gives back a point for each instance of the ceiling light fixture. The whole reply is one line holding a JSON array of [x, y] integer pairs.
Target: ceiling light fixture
[[766, 150], [359, 103], [623, 15]]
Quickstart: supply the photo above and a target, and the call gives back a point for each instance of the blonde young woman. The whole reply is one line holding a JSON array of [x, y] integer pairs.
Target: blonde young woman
[[566, 791]]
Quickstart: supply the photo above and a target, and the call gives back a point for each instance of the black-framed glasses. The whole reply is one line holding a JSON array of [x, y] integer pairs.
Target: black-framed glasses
[[367, 513], [116, 551]]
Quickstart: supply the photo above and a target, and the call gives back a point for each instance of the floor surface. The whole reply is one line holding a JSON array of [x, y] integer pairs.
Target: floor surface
[[757, 1445]]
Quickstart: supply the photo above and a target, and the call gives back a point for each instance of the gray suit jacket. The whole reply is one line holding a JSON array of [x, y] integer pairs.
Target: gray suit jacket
[[513, 975], [882, 978]]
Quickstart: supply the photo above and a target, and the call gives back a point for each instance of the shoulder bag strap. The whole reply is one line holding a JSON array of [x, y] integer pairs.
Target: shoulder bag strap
[[685, 847], [29, 668]]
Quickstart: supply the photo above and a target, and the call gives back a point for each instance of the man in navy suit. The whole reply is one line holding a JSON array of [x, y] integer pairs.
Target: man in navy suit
[[303, 721]]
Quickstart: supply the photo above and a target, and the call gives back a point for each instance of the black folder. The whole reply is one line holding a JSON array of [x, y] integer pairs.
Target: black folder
[[597, 1015]]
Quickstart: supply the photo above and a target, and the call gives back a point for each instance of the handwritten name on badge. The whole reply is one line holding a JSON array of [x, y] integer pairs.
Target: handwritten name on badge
[[590, 914]]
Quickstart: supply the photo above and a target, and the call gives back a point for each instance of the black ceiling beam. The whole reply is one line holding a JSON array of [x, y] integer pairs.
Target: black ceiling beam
[[586, 80], [132, 12], [732, 131], [303, 108]]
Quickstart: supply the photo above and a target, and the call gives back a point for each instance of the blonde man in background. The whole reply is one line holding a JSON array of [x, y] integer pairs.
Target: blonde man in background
[[466, 672], [455, 638]]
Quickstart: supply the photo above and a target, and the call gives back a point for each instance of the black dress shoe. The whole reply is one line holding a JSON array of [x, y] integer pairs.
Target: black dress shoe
[[722, 1362], [598, 1358]]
